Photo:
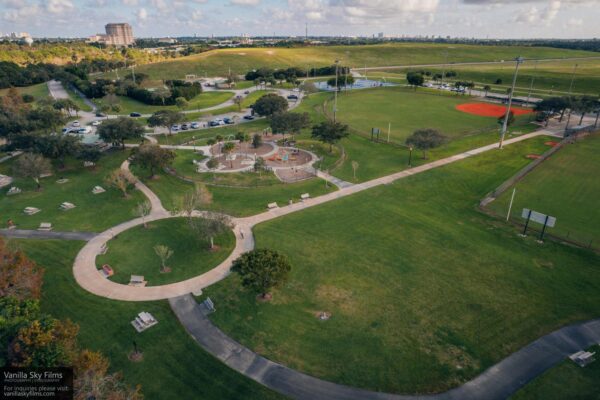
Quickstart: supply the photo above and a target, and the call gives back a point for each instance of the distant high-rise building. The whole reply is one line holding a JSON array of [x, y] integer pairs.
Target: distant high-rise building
[[119, 34]]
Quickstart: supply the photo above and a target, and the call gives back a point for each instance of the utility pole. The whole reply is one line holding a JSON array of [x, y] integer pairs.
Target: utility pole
[[444, 67], [306, 31], [133, 72], [518, 60], [570, 98], [532, 81], [335, 90]]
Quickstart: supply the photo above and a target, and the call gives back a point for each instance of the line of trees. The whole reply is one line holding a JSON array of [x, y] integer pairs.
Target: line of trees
[[293, 73]]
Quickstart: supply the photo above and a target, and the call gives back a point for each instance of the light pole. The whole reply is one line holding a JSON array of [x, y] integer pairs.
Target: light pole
[[531, 86], [518, 60], [570, 99], [410, 150], [335, 89]]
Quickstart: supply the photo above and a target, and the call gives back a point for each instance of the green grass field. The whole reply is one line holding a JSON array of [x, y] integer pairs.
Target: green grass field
[[132, 252], [566, 381], [425, 292], [174, 367], [203, 100], [39, 91], [93, 213], [241, 60], [408, 111], [565, 186]]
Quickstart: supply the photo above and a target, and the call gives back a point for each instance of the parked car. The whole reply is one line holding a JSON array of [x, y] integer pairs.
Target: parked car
[[228, 121], [249, 117], [135, 115], [85, 130], [292, 97], [247, 92], [174, 127], [195, 125], [184, 127], [96, 123], [66, 130], [100, 115], [75, 123]]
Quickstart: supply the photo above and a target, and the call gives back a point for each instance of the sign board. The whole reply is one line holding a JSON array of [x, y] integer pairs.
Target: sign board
[[375, 131], [538, 217]]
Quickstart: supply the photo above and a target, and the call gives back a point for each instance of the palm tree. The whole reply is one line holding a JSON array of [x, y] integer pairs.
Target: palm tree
[[164, 253], [487, 88], [227, 149]]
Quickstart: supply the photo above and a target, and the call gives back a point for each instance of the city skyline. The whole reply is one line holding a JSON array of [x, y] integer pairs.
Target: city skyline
[[157, 18]]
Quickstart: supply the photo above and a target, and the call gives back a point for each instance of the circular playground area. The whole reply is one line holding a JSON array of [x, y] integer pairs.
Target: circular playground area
[[490, 110]]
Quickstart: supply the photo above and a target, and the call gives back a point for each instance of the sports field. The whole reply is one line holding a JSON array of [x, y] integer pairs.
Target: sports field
[[424, 291], [407, 111], [242, 60], [565, 186]]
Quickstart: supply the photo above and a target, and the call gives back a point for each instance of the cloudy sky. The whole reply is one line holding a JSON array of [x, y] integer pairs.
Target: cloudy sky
[[466, 18]]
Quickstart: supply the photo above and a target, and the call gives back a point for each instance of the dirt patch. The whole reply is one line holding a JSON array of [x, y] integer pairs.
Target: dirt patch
[[490, 110]]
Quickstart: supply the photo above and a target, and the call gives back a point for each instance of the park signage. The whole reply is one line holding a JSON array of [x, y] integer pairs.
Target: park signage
[[546, 220]]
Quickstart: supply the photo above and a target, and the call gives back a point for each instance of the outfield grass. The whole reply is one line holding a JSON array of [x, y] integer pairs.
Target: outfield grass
[[565, 186], [242, 60], [174, 367], [408, 111], [93, 213], [203, 100], [425, 292], [132, 252], [565, 381]]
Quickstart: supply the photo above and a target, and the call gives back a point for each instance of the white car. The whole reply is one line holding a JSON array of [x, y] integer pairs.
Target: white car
[[75, 123], [175, 127], [96, 123], [195, 125]]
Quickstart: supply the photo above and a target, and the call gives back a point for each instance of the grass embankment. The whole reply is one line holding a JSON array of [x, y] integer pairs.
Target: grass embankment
[[39, 91], [565, 186], [425, 292], [93, 212], [203, 100], [132, 252], [174, 366]]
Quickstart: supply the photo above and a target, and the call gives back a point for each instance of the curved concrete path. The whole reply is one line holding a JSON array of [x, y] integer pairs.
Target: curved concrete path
[[496, 383], [88, 277]]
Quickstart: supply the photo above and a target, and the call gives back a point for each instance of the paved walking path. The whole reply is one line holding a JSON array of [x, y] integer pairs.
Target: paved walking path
[[34, 234], [496, 383], [90, 279]]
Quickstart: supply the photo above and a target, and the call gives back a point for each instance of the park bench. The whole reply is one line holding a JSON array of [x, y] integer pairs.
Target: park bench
[[143, 321], [89, 164], [107, 271], [13, 190], [62, 180], [98, 190], [67, 206], [304, 196], [210, 306], [137, 280], [45, 226], [31, 210], [271, 206], [582, 358]]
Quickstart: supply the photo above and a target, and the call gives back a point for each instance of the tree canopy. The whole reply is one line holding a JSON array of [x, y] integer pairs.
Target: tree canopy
[[262, 270], [270, 104], [117, 131], [289, 122], [330, 132], [426, 139], [165, 118], [152, 157]]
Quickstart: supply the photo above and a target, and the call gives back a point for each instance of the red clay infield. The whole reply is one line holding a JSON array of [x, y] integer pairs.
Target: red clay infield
[[489, 110]]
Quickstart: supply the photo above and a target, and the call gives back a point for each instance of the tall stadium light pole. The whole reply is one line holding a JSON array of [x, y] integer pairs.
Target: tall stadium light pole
[[518, 60], [335, 90], [531, 86], [570, 98]]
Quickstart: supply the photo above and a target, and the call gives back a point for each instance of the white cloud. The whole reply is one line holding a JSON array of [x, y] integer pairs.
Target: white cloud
[[245, 2], [59, 6], [130, 2], [142, 14]]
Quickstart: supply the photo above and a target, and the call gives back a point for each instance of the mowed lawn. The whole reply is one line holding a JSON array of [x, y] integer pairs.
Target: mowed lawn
[[242, 60], [565, 381], [93, 212], [132, 252], [408, 110], [39, 91], [565, 186], [424, 291], [174, 366]]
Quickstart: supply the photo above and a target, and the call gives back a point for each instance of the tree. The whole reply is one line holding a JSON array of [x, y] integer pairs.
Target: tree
[[121, 179], [142, 210], [213, 225], [89, 153], [32, 166], [262, 270], [238, 100], [166, 119], [354, 168], [288, 122], [212, 163], [259, 165], [57, 147], [342, 81], [415, 79], [256, 140], [104, 109], [181, 103], [330, 132], [152, 157], [20, 277], [164, 253], [584, 105], [498, 81], [551, 106], [270, 104], [510, 121], [486, 88], [227, 149], [193, 200], [117, 131], [425, 139]]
